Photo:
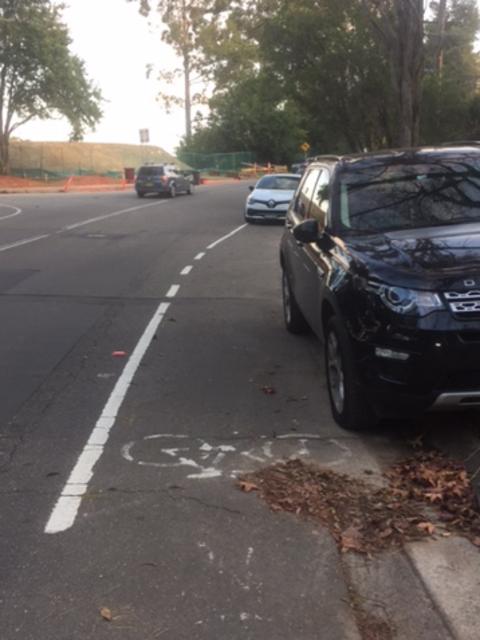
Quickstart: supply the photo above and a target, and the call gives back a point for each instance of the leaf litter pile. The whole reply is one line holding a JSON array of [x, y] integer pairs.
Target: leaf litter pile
[[428, 495]]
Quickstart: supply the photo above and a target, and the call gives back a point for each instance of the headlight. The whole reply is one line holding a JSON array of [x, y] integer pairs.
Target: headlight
[[251, 201], [406, 301]]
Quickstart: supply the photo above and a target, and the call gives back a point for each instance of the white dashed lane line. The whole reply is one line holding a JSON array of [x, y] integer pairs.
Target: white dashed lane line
[[223, 238], [199, 256], [185, 271], [66, 509], [172, 292]]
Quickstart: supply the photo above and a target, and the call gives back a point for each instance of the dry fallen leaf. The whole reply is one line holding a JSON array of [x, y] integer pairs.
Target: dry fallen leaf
[[351, 539], [247, 486], [428, 527], [106, 614]]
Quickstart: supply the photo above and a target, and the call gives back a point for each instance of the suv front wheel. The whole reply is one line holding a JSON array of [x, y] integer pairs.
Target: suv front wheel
[[349, 407]]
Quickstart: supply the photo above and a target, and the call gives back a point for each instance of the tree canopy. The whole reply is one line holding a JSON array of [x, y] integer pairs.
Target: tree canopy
[[39, 76], [343, 75]]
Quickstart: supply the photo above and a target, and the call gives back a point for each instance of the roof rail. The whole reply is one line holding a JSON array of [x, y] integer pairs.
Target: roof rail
[[459, 143], [325, 157]]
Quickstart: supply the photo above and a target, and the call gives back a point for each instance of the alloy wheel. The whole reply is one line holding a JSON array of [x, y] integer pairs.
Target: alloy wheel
[[336, 378]]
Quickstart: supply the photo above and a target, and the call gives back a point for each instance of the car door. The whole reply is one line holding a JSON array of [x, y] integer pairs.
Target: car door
[[299, 267], [315, 258]]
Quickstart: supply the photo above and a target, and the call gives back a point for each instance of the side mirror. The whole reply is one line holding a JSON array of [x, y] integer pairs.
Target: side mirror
[[251, 187], [306, 231]]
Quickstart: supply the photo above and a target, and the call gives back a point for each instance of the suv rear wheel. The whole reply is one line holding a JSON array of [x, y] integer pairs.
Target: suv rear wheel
[[294, 318], [349, 407]]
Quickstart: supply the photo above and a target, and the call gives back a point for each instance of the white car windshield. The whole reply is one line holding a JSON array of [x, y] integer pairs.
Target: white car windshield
[[283, 183]]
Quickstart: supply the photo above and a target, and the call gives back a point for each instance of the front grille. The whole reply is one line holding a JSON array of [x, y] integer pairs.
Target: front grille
[[463, 303]]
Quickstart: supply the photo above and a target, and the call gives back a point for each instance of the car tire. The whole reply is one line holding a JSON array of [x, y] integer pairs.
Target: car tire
[[140, 194], [172, 190], [349, 406], [250, 220], [294, 319]]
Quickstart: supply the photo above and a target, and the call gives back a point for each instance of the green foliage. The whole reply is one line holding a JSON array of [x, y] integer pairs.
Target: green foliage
[[334, 73], [252, 115], [39, 77], [451, 97]]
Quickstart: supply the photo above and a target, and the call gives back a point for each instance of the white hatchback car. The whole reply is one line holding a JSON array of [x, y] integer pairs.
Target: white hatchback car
[[271, 196]]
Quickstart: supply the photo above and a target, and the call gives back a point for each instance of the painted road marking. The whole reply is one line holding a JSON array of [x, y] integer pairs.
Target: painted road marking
[[66, 509], [16, 211], [202, 460], [172, 292], [76, 225], [20, 243], [229, 235], [200, 255], [186, 270]]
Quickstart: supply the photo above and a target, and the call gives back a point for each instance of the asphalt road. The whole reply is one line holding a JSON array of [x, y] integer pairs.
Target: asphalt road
[[117, 471]]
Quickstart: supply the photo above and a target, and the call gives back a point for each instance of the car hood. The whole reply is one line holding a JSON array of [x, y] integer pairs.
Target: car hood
[[437, 257], [279, 195]]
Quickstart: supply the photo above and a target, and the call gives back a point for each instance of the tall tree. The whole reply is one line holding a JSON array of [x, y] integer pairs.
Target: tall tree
[[400, 27], [39, 77], [183, 24]]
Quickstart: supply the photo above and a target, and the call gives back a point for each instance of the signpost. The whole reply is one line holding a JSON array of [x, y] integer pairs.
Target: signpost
[[144, 136]]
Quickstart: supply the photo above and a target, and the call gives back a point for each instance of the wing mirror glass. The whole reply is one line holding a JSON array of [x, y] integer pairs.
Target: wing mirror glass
[[306, 231]]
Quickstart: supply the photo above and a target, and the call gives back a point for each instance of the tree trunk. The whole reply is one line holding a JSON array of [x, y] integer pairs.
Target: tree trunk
[[188, 98], [400, 25], [4, 154], [408, 65], [442, 23]]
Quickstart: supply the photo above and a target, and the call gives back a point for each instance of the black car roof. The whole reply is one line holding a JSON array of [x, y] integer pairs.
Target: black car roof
[[413, 154]]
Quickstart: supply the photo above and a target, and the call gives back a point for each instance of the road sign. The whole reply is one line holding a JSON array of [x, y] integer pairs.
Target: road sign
[[144, 135], [305, 147]]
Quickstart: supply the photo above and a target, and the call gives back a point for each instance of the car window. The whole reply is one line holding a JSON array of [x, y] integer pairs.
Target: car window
[[406, 196], [285, 183], [302, 203], [319, 206], [150, 171]]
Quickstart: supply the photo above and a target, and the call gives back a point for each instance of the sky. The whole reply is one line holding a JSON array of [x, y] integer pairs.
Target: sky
[[116, 44]]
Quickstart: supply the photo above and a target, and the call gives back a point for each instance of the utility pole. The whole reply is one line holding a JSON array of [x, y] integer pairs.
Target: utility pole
[[442, 23]]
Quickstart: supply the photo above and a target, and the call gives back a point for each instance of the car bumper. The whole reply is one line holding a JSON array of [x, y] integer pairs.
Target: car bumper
[[435, 370], [261, 212], [152, 188]]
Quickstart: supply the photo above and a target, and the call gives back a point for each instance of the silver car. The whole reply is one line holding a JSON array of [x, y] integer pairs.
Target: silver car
[[270, 197]]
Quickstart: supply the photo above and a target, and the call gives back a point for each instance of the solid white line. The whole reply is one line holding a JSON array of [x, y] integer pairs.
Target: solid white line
[[76, 225], [199, 256], [20, 243], [16, 212], [172, 292], [229, 235], [186, 270], [66, 509]]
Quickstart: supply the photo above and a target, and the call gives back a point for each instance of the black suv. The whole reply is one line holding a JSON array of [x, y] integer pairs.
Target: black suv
[[381, 258], [161, 178]]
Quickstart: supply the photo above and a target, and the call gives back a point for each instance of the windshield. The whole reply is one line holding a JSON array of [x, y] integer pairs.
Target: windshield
[[150, 171], [408, 196], [285, 183]]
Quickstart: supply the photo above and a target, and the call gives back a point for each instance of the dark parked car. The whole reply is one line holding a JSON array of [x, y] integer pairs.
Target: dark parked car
[[381, 258], [161, 179]]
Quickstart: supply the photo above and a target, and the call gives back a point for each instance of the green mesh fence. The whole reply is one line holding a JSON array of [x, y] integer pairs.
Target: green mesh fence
[[217, 162]]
